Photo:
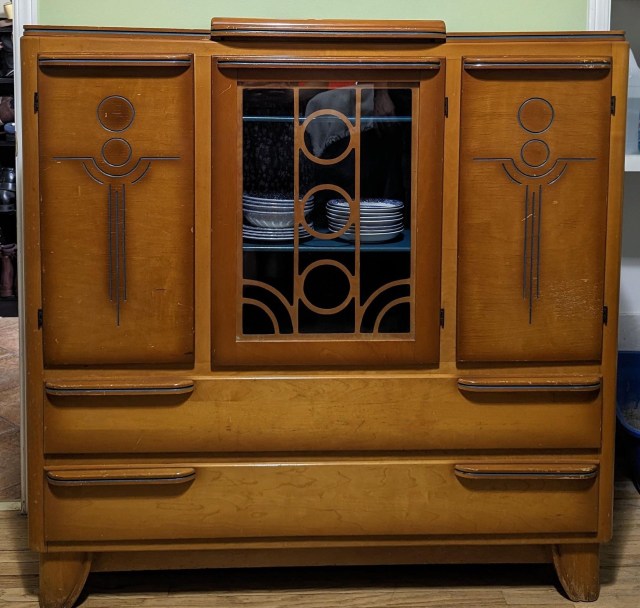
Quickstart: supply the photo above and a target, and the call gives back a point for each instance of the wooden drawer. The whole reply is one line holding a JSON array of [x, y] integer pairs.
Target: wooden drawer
[[314, 413], [317, 499]]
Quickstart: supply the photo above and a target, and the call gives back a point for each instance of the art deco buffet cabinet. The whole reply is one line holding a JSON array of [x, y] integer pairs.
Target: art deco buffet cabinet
[[320, 293]]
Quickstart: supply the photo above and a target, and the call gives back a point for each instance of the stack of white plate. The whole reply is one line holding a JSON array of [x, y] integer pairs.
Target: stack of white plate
[[259, 233], [381, 219], [271, 218]]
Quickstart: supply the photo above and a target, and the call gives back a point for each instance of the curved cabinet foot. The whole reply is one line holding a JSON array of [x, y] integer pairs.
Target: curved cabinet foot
[[578, 569], [62, 577]]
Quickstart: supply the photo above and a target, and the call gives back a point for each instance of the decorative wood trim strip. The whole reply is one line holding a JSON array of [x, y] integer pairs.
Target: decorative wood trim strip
[[47, 30], [535, 36], [317, 553], [119, 388], [326, 63], [534, 63], [328, 29], [538, 385], [115, 60], [119, 477], [526, 471]]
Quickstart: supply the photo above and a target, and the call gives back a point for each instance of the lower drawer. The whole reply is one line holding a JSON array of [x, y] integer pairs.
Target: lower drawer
[[372, 413], [364, 498]]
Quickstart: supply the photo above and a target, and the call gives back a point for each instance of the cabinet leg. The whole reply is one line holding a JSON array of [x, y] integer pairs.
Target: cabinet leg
[[62, 577], [578, 569]]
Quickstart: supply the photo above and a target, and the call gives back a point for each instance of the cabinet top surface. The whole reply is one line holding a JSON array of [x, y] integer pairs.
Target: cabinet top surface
[[352, 31]]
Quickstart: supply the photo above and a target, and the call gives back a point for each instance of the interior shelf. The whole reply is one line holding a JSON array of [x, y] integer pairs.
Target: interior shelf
[[402, 243], [303, 118]]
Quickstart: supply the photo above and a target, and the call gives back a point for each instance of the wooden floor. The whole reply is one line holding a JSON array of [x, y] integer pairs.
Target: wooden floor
[[9, 411], [370, 587]]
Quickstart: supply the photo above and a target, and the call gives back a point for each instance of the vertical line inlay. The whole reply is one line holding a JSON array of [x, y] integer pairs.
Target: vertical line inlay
[[124, 244], [533, 231], [539, 233], [117, 248], [524, 252], [110, 234]]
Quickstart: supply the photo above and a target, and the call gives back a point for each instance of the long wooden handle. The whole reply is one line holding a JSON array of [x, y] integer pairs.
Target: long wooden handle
[[587, 384], [526, 471], [536, 63], [119, 388], [120, 477], [104, 60]]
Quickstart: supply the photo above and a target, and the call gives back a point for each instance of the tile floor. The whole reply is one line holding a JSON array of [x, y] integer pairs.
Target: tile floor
[[9, 410]]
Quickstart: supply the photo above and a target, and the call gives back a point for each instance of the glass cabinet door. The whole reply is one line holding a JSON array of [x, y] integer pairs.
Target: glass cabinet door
[[336, 218]]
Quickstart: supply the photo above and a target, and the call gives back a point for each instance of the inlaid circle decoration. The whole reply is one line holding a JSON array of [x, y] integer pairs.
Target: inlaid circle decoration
[[116, 113], [116, 152], [323, 130], [340, 279], [536, 115], [535, 153]]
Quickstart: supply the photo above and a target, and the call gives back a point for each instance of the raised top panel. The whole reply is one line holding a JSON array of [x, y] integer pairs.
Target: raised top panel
[[332, 29]]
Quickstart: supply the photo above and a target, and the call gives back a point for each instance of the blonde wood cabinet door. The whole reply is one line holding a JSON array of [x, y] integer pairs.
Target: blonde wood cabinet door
[[326, 244], [533, 208], [117, 219]]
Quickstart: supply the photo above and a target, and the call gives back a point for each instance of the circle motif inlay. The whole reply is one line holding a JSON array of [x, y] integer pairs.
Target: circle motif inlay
[[116, 113], [116, 152], [535, 153], [535, 115]]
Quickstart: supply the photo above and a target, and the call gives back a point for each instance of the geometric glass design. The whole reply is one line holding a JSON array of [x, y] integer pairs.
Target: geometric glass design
[[326, 210]]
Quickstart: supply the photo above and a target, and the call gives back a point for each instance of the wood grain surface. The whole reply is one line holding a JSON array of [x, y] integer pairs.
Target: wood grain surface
[[117, 213], [533, 213], [408, 586]]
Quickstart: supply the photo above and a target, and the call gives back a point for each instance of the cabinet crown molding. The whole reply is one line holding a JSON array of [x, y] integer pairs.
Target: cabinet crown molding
[[332, 29]]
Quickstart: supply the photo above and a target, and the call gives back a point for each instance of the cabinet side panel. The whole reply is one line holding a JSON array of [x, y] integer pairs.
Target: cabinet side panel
[[533, 206]]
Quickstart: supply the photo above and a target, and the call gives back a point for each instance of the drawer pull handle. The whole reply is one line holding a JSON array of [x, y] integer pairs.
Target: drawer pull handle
[[119, 477], [80, 61], [536, 63], [537, 385], [131, 388], [526, 471]]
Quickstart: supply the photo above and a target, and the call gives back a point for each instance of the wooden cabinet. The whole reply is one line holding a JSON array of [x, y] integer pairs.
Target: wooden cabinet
[[300, 294]]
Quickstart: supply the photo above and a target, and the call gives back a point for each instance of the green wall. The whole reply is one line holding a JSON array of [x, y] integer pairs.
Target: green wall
[[459, 15]]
